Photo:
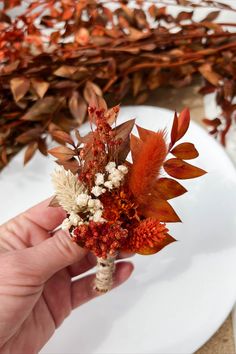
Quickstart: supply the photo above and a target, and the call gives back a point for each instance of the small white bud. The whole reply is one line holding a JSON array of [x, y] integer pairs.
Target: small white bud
[[91, 203], [97, 191], [74, 219], [99, 179], [97, 204], [108, 184], [66, 224], [97, 216], [82, 199], [123, 169], [110, 166]]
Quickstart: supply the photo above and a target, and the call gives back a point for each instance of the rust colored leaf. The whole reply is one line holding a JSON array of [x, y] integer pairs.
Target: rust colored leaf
[[184, 15], [30, 151], [160, 209], [135, 146], [40, 87], [212, 122], [42, 146], [4, 157], [123, 130], [182, 170], [19, 87], [42, 108], [62, 153], [62, 137], [144, 133], [174, 130], [211, 16], [78, 107], [185, 151], [112, 114], [91, 90], [145, 251], [65, 71], [183, 123], [168, 188], [29, 135], [71, 164]]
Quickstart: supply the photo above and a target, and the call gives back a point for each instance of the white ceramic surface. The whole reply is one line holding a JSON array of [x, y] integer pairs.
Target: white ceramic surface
[[175, 299]]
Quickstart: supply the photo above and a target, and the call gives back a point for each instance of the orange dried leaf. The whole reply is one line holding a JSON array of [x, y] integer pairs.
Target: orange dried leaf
[[65, 71], [62, 137], [168, 188], [144, 133], [185, 151], [19, 87], [78, 107], [30, 151], [160, 209], [182, 170], [71, 164], [183, 123], [62, 152], [123, 130], [40, 87], [135, 146], [174, 130], [145, 251]]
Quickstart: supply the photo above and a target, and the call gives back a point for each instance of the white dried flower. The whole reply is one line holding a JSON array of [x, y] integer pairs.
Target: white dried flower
[[66, 224], [123, 169], [67, 188], [110, 166], [108, 184], [97, 191], [99, 179], [91, 203], [74, 219], [97, 204], [82, 200], [116, 182], [97, 216]]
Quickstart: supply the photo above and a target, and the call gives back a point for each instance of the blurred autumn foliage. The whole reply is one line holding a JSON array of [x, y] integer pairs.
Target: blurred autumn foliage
[[55, 56]]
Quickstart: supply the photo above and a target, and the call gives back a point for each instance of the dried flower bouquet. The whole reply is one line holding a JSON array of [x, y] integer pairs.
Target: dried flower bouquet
[[112, 204]]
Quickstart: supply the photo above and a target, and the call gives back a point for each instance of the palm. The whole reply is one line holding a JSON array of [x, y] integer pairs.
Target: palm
[[36, 294]]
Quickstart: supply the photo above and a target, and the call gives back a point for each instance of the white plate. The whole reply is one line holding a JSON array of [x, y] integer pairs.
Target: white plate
[[175, 299]]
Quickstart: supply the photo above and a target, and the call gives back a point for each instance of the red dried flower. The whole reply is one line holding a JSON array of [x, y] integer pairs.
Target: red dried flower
[[100, 238], [149, 237]]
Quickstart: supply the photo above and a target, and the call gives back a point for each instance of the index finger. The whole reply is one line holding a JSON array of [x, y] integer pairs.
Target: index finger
[[45, 216]]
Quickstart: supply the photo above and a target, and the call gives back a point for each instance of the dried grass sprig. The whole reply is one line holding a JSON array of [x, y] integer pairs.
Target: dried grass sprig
[[67, 188], [147, 164]]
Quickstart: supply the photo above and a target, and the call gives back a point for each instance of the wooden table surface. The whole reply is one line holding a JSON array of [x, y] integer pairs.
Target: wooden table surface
[[176, 99]]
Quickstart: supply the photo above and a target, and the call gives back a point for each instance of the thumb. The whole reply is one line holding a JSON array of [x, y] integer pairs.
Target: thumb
[[52, 255]]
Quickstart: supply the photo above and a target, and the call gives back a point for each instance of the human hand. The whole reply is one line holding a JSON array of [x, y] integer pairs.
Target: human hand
[[37, 291]]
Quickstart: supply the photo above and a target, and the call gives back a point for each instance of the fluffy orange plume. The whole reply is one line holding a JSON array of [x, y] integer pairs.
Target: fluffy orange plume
[[147, 165]]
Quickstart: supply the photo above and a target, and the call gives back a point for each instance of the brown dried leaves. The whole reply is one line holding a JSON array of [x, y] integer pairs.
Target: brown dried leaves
[[52, 82]]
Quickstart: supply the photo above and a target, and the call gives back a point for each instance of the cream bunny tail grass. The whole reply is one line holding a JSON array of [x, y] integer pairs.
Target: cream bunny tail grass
[[67, 188]]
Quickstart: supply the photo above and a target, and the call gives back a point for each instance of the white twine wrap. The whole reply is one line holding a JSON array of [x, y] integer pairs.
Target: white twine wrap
[[104, 275]]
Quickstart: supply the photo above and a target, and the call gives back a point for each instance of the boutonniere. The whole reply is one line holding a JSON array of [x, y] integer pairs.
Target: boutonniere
[[113, 204]]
